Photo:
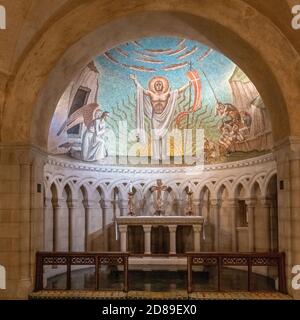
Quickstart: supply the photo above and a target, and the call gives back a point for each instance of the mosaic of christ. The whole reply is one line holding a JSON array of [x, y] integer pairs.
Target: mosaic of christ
[[160, 98]]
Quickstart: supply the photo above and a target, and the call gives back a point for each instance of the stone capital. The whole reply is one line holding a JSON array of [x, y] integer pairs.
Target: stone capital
[[73, 204], [215, 202], [197, 202], [265, 202], [59, 203], [90, 204], [106, 204], [172, 228], [147, 228], [250, 203], [123, 204], [197, 227], [48, 202], [123, 228], [230, 203]]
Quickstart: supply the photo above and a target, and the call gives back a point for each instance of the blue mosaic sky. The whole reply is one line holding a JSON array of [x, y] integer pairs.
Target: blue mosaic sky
[[114, 68]]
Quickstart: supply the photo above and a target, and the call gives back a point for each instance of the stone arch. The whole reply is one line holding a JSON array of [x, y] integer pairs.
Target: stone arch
[[205, 185], [203, 191], [267, 180], [54, 191], [55, 182], [207, 18], [73, 183], [121, 188], [241, 190], [255, 190], [102, 189], [147, 186], [221, 188], [68, 192], [259, 181], [185, 184], [228, 181]]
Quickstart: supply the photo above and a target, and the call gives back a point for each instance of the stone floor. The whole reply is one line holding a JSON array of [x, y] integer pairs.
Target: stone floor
[[164, 285], [175, 295], [161, 281]]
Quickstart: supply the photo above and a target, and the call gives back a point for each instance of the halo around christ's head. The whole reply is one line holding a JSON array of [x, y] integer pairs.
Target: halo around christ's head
[[164, 81]]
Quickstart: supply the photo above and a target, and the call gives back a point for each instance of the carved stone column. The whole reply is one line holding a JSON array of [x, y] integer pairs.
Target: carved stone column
[[197, 206], [274, 227], [61, 225], [232, 206], [197, 237], [147, 235], [172, 232], [107, 210], [215, 208], [287, 155], [123, 237], [180, 207], [92, 221], [123, 205], [77, 226], [48, 225], [250, 217], [262, 230]]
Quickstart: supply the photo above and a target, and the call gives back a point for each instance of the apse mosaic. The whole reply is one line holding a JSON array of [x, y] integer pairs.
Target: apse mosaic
[[160, 99]]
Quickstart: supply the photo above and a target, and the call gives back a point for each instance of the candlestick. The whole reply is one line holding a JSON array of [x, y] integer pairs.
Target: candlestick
[[190, 202], [130, 204]]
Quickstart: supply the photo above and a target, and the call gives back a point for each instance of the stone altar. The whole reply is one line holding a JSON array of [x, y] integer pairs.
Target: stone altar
[[172, 222]]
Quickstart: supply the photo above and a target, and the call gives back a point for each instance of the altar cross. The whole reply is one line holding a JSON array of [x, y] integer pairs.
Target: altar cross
[[159, 188]]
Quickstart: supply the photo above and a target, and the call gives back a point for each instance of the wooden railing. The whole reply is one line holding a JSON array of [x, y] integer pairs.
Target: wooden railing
[[217, 260], [70, 259], [227, 260]]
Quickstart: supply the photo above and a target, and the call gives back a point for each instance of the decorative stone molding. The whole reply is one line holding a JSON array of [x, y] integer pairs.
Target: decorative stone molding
[[58, 174], [83, 166]]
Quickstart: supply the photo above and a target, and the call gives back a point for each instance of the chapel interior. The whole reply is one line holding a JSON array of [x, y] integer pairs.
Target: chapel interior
[[149, 147]]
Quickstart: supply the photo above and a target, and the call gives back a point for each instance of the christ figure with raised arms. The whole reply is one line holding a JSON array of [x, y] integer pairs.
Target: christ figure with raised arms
[[158, 103]]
